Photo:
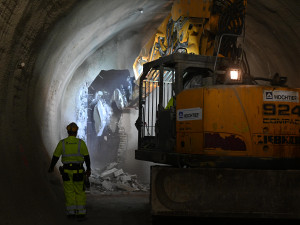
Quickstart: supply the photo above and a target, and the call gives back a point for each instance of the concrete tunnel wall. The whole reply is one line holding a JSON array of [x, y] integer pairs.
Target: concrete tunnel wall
[[63, 43], [78, 48]]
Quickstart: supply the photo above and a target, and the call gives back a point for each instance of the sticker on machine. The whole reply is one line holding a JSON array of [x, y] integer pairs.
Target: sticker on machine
[[281, 96], [189, 114]]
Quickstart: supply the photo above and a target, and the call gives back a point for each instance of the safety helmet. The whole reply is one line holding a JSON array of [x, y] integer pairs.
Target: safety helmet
[[72, 127]]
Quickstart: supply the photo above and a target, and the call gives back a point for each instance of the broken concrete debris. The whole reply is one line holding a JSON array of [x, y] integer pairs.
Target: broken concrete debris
[[118, 173], [107, 185], [125, 178], [107, 173], [115, 179]]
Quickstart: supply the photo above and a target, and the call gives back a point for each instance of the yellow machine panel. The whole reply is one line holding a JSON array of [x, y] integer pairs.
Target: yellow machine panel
[[188, 8], [253, 121], [189, 125]]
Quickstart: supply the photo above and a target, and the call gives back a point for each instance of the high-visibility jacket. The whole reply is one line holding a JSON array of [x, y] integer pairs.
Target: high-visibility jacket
[[170, 103], [72, 150]]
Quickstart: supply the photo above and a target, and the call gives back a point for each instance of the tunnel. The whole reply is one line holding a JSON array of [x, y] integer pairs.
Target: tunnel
[[51, 50]]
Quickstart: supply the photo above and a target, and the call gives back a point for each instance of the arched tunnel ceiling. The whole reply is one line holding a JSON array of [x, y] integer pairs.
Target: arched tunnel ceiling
[[64, 43]]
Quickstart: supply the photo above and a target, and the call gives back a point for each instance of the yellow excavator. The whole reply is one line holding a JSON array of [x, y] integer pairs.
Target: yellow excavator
[[231, 147]]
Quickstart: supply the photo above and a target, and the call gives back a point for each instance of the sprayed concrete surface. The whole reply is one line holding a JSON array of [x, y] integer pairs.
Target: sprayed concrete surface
[[50, 49]]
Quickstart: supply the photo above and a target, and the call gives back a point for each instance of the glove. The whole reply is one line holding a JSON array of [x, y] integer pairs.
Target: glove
[[88, 172], [52, 164]]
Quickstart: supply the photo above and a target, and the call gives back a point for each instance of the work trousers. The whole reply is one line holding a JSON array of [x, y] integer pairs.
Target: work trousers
[[74, 192]]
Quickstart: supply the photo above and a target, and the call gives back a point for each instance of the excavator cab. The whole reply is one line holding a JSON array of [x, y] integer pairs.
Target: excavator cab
[[162, 80]]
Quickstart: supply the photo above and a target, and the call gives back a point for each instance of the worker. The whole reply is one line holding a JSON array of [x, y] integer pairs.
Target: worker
[[170, 103], [74, 153]]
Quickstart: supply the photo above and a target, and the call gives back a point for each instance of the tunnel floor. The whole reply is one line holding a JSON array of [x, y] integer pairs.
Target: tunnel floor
[[118, 208], [133, 208]]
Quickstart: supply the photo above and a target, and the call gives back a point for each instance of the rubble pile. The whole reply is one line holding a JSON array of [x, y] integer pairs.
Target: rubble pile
[[114, 179]]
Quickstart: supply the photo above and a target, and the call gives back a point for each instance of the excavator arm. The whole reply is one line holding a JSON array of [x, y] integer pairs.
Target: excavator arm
[[196, 27]]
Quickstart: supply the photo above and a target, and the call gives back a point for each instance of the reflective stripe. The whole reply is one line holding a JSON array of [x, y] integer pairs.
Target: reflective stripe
[[78, 154], [70, 155], [81, 207], [75, 162], [79, 144], [82, 211], [71, 207], [63, 146]]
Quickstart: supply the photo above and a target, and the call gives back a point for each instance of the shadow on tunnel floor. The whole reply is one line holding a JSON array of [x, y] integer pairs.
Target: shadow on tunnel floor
[[133, 208], [163, 220]]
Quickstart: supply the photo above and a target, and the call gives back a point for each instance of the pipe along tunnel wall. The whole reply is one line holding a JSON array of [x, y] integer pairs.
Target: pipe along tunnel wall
[[48, 49]]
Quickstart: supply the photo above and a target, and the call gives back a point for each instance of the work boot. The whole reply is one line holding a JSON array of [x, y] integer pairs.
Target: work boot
[[81, 217], [71, 216]]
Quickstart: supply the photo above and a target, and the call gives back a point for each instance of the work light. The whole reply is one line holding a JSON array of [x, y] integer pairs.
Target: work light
[[234, 75]]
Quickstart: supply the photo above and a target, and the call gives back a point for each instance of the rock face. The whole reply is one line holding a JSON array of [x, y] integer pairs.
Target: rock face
[[113, 179]]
